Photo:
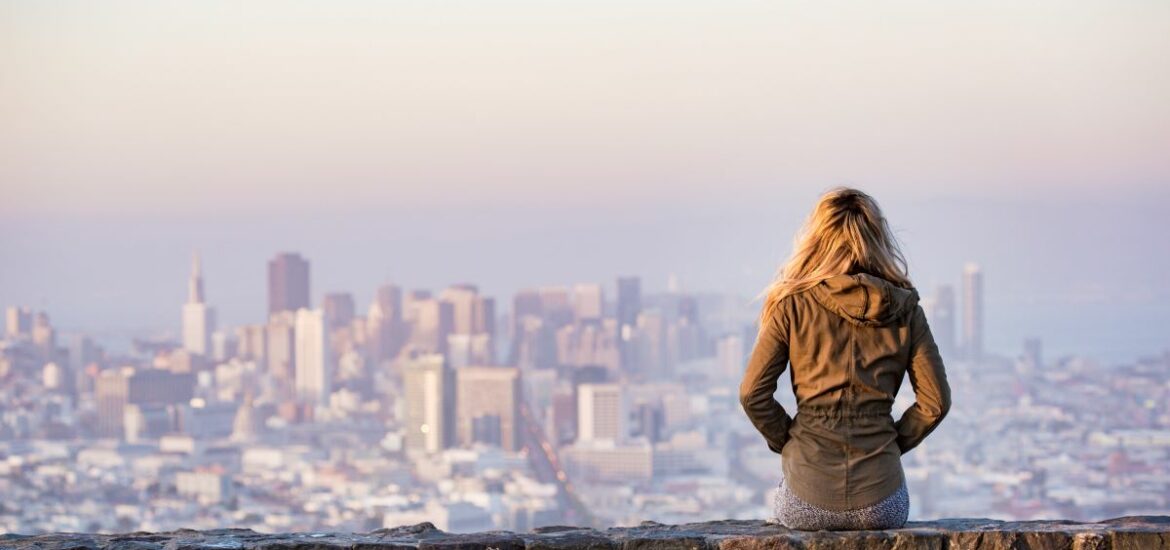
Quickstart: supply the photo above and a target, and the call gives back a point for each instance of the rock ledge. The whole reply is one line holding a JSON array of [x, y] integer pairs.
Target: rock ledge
[[1131, 532]]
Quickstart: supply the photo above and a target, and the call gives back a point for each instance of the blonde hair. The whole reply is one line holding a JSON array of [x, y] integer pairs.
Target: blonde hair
[[845, 234]]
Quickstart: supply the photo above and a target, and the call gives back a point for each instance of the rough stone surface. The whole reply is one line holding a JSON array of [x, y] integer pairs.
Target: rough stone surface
[[1126, 533]]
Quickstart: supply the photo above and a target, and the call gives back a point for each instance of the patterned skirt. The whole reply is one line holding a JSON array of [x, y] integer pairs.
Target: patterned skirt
[[794, 513]]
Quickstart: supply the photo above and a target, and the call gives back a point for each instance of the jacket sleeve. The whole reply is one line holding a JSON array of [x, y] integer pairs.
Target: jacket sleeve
[[929, 380], [768, 359]]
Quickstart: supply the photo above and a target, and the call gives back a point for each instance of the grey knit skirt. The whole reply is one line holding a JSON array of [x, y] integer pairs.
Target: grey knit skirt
[[794, 513]]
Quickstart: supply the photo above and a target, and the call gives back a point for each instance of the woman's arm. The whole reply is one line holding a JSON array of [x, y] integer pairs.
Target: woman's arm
[[768, 360], [929, 380]]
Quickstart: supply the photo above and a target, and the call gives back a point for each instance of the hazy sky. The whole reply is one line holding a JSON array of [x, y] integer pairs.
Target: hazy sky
[[517, 143]]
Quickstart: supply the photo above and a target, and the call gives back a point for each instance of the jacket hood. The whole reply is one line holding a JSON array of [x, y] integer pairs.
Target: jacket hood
[[864, 299]]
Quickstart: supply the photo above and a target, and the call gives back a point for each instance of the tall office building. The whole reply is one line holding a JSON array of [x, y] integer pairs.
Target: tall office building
[[198, 317], [19, 321], [428, 395], [280, 345], [942, 320], [588, 302], [44, 336], [462, 298], [111, 395], [472, 313], [487, 405], [313, 365], [629, 305], [601, 413], [432, 320], [385, 329], [288, 283], [650, 343], [339, 308], [972, 312], [588, 344], [389, 299], [556, 306], [526, 302], [1033, 353], [730, 358], [252, 342]]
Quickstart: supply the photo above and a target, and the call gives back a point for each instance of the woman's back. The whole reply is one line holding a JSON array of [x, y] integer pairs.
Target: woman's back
[[851, 338]]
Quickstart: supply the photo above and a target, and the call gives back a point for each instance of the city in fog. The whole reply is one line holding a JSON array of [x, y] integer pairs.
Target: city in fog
[[336, 265], [588, 403]]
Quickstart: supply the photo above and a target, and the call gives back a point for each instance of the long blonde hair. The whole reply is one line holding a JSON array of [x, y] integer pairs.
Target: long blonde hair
[[846, 233]]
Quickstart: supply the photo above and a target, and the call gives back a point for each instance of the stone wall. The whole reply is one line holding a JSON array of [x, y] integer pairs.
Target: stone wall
[[1127, 533]]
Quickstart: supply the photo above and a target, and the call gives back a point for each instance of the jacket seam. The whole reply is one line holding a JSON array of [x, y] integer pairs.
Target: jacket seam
[[849, 422]]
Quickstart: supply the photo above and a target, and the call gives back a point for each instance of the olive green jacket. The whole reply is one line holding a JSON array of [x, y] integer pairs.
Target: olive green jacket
[[851, 340]]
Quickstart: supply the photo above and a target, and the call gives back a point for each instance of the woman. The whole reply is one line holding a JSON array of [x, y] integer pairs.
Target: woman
[[843, 311]]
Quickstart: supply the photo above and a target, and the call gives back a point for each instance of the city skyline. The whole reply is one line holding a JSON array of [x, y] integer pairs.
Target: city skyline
[[616, 138], [341, 266], [570, 394]]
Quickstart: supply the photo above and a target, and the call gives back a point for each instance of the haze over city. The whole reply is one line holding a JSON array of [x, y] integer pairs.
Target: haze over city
[[467, 153], [523, 143]]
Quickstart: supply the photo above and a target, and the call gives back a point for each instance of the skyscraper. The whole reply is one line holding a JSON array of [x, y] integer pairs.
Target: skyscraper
[[526, 303], [601, 413], [312, 373], [280, 345], [198, 317], [389, 299], [972, 312], [629, 305], [462, 298], [19, 321], [432, 320], [556, 306], [472, 313], [111, 394], [487, 404], [588, 302], [288, 283], [427, 388], [1033, 352], [729, 355], [942, 320], [339, 308], [385, 329]]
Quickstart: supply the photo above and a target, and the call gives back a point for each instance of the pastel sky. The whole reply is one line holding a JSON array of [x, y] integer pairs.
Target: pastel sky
[[149, 106], [517, 143]]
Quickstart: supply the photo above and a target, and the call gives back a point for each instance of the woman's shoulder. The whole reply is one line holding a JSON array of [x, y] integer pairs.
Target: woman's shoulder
[[784, 309]]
